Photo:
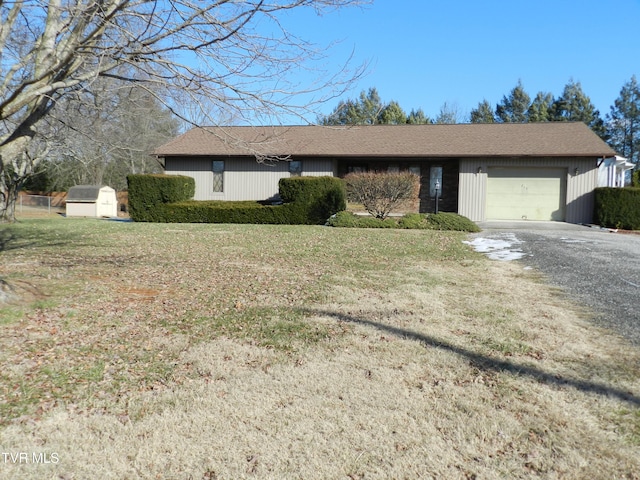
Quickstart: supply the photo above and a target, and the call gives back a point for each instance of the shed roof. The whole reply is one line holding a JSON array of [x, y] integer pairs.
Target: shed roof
[[461, 140], [85, 193]]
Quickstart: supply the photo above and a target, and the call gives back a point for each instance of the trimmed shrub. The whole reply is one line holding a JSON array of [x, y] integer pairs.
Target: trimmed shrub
[[451, 221], [146, 192], [343, 219], [414, 221], [617, 207], [349, 220], [316, 198], [439, 221], [224, 212], [309, 200], [381, 192]]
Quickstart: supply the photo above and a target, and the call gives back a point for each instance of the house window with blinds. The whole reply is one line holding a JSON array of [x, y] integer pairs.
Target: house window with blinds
[[295, 168], [218, 176]]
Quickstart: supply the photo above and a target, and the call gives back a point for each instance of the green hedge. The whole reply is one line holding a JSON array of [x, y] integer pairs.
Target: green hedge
[[617, 207], [429, 221], [308, 200], [316, 198], [223, 212], [146, 192]]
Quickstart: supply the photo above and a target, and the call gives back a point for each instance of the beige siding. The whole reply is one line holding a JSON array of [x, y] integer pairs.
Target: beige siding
[[579, 188], [244, 179], [318, 167], [250, 180], [77, 209], [472, 189]]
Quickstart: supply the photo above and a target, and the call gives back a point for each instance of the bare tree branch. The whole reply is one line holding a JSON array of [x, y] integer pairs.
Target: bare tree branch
[[231, 59]]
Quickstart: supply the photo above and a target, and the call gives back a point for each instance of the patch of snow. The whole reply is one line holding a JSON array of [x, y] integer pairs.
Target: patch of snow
[[499, 247]]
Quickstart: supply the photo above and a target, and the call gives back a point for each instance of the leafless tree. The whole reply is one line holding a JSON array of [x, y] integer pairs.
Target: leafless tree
[[450, 113], [229, 56], [381, 192], [103, 133]]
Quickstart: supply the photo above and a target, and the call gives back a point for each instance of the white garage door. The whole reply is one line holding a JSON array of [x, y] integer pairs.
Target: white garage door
[[526, 194]]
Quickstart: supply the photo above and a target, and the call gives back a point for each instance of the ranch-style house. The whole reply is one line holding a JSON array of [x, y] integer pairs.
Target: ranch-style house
[[531, 171]]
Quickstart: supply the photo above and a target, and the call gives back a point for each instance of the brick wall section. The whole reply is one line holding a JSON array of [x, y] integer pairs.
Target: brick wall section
[[450, 171], [448, 201]]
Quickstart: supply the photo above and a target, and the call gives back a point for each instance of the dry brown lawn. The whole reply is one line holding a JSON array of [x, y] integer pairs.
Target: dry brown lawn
[[267, 352]]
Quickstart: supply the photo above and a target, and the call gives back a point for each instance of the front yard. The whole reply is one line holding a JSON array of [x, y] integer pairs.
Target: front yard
[[179, 351]]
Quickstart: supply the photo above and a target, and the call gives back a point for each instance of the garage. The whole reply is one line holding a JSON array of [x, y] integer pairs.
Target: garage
[[526, 193]]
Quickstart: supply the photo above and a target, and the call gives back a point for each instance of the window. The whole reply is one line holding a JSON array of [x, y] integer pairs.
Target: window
[[435, 179], [295, 168], [218, 175], [415, 169], [393, 168]]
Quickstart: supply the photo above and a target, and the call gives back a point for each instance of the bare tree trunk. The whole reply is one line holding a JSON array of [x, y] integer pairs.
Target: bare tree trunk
[[8, 198], [15, 168]]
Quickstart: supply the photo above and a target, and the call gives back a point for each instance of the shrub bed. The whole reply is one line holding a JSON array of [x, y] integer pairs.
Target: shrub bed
[[617, 207], [430, 221]]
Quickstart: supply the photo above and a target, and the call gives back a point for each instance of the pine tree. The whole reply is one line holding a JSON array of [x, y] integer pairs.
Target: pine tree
[[483, 114], [392, 114], [574, 106], [369, 109], [623, 122], [540, 108], [418, 117], [514, 108], [366, 110]]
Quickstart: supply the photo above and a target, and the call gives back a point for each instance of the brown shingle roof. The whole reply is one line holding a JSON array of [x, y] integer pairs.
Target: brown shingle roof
[[463, 140]]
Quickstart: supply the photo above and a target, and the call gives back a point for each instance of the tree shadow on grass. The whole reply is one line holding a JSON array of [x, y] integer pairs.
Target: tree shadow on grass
[[486, 362], [21, 237], [16, 237]]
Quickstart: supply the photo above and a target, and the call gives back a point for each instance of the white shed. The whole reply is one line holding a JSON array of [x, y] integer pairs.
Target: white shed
[[92, 201]]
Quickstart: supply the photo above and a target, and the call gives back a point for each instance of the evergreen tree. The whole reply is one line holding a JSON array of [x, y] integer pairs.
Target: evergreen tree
[[574, 106], [392, 114], [540, 108], [514, 108], [483, 114], [368, 109], [417, 117], [623, 122]]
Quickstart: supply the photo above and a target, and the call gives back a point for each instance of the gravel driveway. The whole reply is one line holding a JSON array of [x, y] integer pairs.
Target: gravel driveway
[[595, 267]]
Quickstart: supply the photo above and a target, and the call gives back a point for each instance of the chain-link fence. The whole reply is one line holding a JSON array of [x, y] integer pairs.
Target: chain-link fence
[[39, 203]]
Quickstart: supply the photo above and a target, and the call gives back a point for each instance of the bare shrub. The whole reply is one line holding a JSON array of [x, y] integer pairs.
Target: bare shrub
[[380, 193]]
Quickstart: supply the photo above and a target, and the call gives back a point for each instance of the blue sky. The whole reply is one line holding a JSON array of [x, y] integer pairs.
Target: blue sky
[[424, 53]]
